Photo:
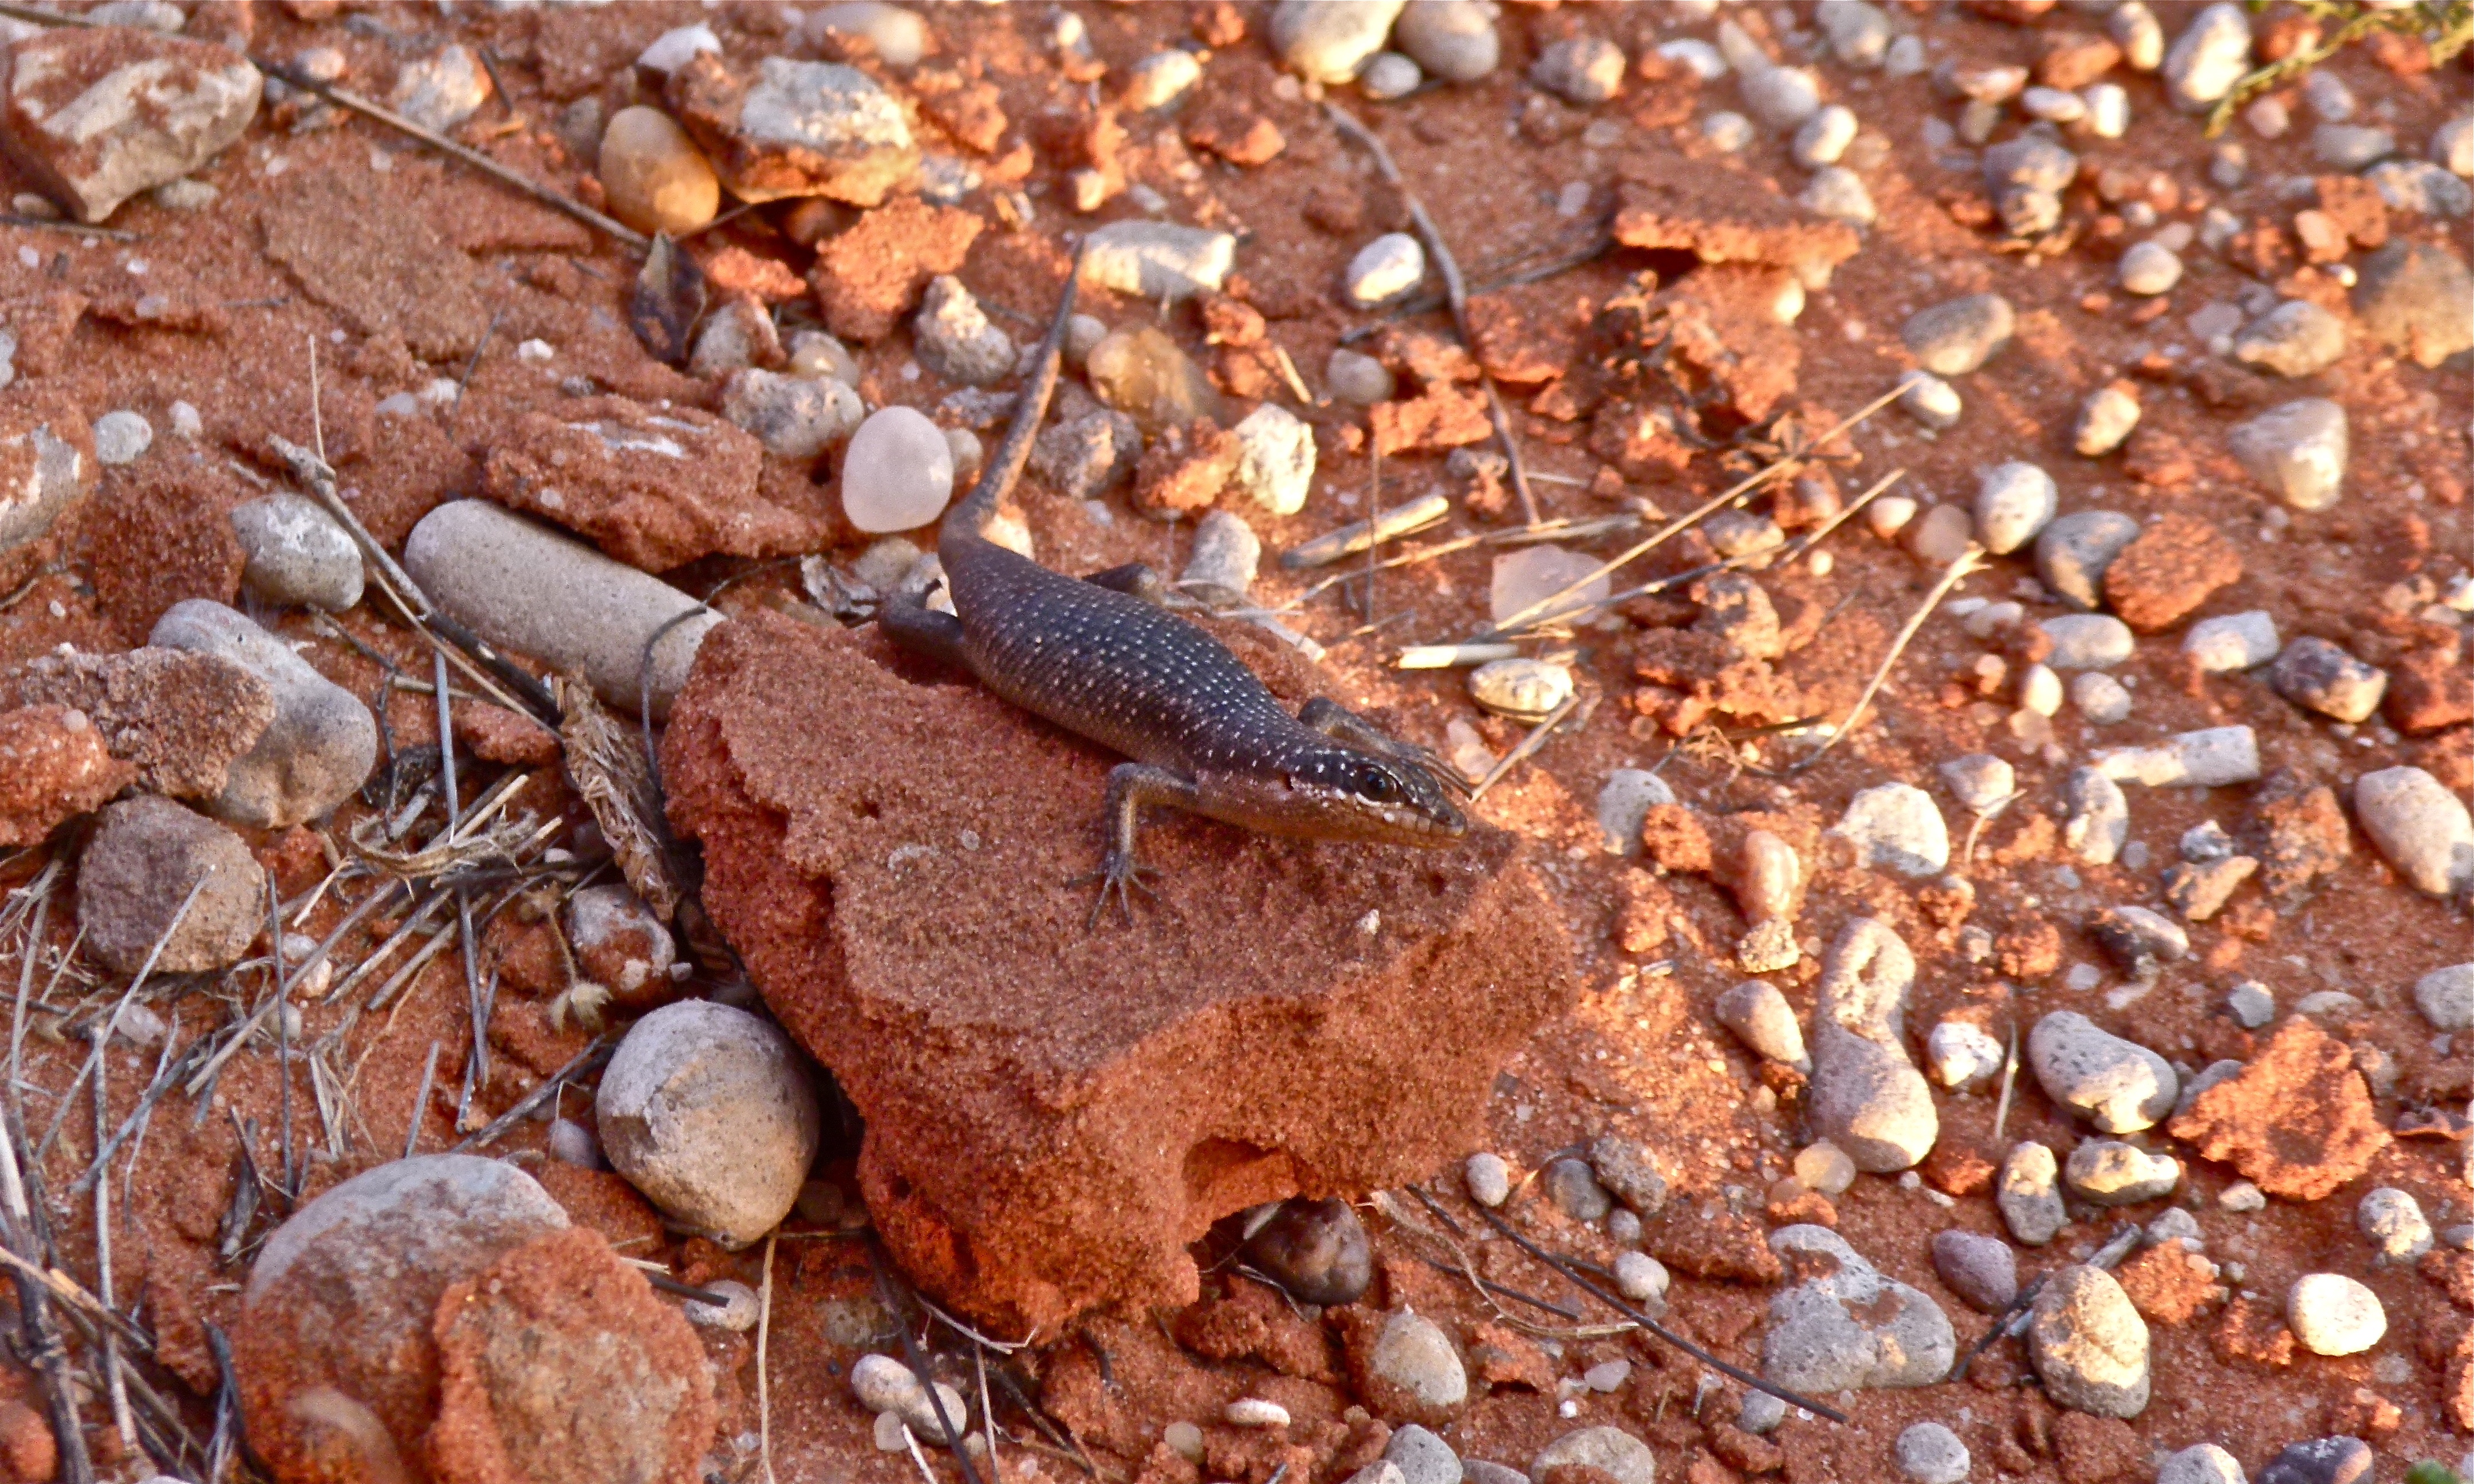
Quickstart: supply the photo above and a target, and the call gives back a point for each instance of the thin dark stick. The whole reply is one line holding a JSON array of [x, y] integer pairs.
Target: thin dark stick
[[585, 1059], [665, 1284], [420, 1103], [1064, 1441], [218, 1448], [476, 1066], [1456, 291], [282, 1034], [877, 1263], [479, 161], [39, 1340], [1582, 1283], [455, 409], [78, 228]]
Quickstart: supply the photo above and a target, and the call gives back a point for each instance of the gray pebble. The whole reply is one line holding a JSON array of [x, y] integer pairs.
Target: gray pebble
[[1866, 1096], [2350, 147], [1422, 1458], [1780, 97], [1413, 1353], [2148, 268], [2088, 641], [2014, 501], [2417, 298], [540, 594], [1487, 1179], [2419, 826], [1956, 338], [2099, 817], [1087, 456], [1624, 803], [2173, 1224], [1480, 1470], [2028, 1194], [2201, 1462], [1963, 1054], [2072, 553], [1156, 260], [1575, 1189], [1629, 1172], [1762, 1413], [1360, 379], [1847, 1327], [2339, 1460], [2452, 145], [319, 749], [1275, 461], [2140, 940], [2393, 1222], [2211, 758], [2445, 996], [2313, 673], [1929, 399], [2298, 451], [1452, 40], [2105, 422], [1389, 75], [122, 437], [1825, 137], [1623, 1227], [1226, 554], [794, 416], [298, 557], [1584, 70], [1979, 781], [706, 1110], [2298, 338], [899, 35], [145, 857], [1930, 1453], [1611, 1450], [2088, 1345], [2328, 97], [1839, 194], [1982, 1270], [1327, 40], [2118, 1086], [1897, 826], [1761, 1016], [1860, 32], [2209, 57], [2100, 698], [1727, 131], [2420, 187], [953, 338], [1704, 61], [571, 1142], [2251, 1004], [2333, 1314], [737, 1312], [1640, 1278], [2230, 642], [2108, 1172]]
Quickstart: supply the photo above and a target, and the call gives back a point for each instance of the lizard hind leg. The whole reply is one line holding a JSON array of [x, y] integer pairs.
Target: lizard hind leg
[[1131, 786], [1134, 579], [1333, 720], [910, 623]]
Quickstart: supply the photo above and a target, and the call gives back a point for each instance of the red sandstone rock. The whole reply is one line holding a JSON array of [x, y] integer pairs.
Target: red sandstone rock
[[871, 275], [1185, 468], [181, 719], [1445, 417], [2297, 1121], [557, 1364], [2170, 570], [1054, 1114], [97, 115], [655, 488], [53, 767], [1670, 202]]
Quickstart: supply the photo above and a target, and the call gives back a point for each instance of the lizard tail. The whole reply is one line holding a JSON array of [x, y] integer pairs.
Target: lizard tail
[[1031, 408]]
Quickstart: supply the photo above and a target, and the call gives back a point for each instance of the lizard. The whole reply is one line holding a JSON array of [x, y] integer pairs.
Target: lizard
[[1104, 657]]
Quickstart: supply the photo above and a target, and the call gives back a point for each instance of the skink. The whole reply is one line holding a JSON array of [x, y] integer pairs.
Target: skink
[[1103, 658]]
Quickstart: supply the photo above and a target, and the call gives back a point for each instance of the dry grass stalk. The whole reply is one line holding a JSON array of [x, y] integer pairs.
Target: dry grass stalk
[[610, 771]]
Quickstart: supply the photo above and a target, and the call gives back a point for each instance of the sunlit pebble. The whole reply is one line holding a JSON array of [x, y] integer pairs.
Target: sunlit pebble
[[1254, 1412], [1821, 563]]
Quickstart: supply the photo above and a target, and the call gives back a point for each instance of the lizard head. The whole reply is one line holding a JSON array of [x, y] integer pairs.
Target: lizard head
[[1339, 793]]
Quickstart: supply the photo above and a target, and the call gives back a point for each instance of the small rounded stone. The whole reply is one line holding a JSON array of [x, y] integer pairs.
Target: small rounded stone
[[706, 1110], [1930, 1453], [2334, 1315], [1639, 1276], [898, 473], [1392, 264], [738, 1311], [1824, 1167], [122, 437], [1389, 75], [1360, 379], [2148, 268], [1453, 39], [1487, 1178], [653, 175]]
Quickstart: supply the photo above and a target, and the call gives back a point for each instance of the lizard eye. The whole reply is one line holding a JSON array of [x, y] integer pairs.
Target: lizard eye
[[1378, 786]]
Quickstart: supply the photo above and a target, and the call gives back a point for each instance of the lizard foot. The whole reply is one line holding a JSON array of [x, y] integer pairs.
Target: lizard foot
[[1120, 876]]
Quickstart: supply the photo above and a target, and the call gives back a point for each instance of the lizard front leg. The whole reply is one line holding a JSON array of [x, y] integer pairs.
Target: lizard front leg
[[1131, 786]]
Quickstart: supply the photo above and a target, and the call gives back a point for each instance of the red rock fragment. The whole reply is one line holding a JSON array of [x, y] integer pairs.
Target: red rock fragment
[[2254, 1335], [2096, 1449], [2169, 1285], [53, 767], [1511, 348], [1726, 1246], [759, 160], [655, 488], [1236, 133], [969, 108], [496, 734], [1444, 417], [733, 271], [2297, 1121], [1078, 1113], [870, 276], [2428, 690], [2305, 835], [2072, 60], [1185, 468], [2169, 570]]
